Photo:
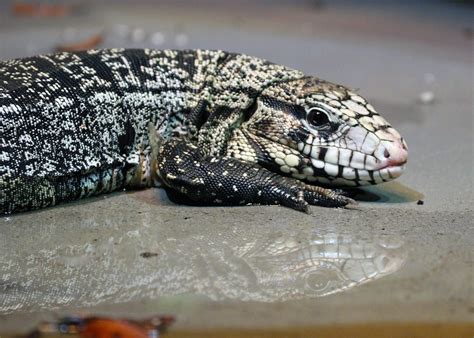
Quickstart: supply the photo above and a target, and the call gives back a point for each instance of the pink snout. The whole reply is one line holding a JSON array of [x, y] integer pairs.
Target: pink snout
[[395, 153]]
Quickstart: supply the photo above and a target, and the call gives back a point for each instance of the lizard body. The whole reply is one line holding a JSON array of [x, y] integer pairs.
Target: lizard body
[[217, 127]]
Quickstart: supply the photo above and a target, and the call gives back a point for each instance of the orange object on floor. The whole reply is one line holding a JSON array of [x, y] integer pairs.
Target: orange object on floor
[[44, 10], [88, 43], [111, 328], [102, 327]]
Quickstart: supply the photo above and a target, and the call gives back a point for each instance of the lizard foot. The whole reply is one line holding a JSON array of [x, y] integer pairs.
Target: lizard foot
[[228, 181], [298, 195]]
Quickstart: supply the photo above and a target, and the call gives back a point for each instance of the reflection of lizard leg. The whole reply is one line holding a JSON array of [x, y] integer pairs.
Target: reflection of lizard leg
[[228, 181]]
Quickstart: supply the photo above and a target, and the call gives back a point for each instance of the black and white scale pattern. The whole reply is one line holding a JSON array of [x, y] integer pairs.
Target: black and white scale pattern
[[218, 127]]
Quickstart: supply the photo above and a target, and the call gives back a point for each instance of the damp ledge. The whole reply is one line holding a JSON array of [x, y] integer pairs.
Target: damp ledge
[[397, 330]]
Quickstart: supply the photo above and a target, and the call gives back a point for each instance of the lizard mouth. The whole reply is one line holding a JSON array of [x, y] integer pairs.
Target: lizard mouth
[[392, 171], [349, 176], [387, 163], [381, 175]]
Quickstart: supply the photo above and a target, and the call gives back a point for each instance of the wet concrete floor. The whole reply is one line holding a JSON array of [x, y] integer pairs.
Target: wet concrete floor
[[389, 260]]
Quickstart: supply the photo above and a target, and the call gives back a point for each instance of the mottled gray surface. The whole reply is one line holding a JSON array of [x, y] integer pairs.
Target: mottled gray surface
[[389, 260]]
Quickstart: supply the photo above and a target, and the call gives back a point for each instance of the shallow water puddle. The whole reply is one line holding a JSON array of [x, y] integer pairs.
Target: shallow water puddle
[[145, 262]]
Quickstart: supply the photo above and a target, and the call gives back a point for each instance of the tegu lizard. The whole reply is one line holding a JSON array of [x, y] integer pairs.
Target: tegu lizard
[[216, 127]]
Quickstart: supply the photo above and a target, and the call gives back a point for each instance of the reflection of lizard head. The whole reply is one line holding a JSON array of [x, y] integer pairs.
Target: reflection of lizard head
[[292, 267]]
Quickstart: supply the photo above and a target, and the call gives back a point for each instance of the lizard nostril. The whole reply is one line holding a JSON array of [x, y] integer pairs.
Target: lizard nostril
[[395, 154], [404, 145]]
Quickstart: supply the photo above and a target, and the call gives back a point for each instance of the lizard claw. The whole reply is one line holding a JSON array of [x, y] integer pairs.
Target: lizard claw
[[299, 196], [315, 195]]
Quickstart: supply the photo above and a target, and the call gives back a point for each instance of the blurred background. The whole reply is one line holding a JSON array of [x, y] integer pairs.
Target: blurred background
[[411, 59], [358, 43]]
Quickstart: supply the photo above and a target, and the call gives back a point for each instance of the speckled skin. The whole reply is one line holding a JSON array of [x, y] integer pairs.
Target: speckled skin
[[218, 127]]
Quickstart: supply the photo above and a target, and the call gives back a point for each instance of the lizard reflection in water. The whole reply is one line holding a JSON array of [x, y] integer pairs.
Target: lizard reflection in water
[[241, 263]]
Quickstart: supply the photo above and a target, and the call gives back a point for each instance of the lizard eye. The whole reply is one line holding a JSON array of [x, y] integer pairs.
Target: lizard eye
[[317, 117]]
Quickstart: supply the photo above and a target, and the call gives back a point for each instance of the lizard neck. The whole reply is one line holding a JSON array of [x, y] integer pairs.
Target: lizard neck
[[234, 87]]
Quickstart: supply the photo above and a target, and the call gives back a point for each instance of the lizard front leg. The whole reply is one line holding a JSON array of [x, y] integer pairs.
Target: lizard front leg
[[229, 181]]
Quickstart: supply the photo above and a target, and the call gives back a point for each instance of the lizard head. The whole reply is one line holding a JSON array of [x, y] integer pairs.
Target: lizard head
[[317, 131]]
